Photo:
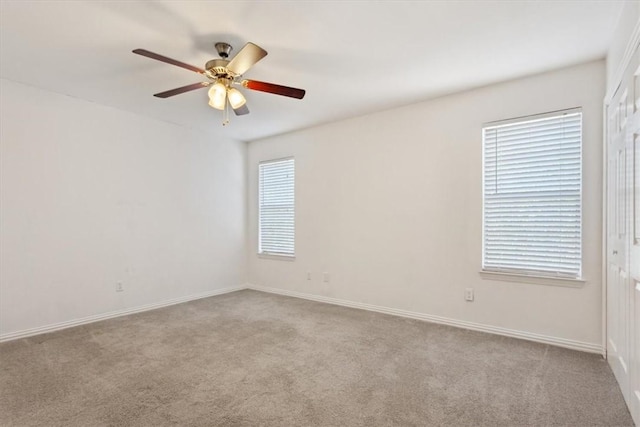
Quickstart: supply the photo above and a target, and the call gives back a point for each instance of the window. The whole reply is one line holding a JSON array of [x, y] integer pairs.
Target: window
[[532, 204], [276, 207]]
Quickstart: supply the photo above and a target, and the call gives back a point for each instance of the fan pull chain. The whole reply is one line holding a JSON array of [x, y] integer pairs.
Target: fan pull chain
[[225, 113]]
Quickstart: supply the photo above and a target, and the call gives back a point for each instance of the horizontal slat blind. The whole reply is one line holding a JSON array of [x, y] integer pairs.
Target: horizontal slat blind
[[532, 196], [277, 207]]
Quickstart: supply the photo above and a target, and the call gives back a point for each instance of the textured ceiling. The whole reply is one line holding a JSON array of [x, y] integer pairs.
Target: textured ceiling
[[352, 57]]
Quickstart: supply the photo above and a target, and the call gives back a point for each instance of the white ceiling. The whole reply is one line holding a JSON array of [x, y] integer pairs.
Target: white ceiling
[[352, 57]]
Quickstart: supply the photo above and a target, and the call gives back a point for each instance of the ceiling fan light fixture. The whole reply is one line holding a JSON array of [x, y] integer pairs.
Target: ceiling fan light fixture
[[221, 73], [236, 99], [218, 95]]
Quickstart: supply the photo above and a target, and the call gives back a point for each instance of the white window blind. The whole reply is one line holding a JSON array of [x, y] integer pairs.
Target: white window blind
[[277, 207], [532, 195]]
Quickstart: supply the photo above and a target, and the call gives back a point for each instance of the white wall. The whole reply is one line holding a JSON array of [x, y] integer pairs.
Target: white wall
[[627, 23], [91, 196], [390, 204]]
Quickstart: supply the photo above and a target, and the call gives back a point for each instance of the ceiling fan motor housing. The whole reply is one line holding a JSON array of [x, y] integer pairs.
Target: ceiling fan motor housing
[[217, 68]]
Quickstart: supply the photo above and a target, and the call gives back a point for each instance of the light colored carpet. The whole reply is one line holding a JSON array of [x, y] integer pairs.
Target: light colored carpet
[[256, 359]]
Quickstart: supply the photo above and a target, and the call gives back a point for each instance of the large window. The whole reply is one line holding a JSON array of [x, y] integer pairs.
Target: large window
[[532, 202], [277, 207]]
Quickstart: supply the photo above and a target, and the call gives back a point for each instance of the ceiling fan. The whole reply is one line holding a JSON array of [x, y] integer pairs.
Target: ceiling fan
[[222, 75]]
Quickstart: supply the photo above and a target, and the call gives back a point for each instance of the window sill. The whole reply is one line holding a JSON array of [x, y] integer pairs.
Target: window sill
[[277, 257], [535, 280]]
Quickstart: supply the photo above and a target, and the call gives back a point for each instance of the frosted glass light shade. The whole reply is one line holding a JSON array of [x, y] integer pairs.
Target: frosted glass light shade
[[236, 99], [218, 96]]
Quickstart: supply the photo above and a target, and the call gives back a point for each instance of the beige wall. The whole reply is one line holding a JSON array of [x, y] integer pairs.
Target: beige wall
[[390, 204], [92, 196]]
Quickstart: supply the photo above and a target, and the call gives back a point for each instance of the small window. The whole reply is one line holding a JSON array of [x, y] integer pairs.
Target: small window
[[277, 207], [532, 198]]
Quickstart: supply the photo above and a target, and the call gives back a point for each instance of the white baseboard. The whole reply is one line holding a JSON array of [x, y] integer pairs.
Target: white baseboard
[[104, 316], [544, 339]]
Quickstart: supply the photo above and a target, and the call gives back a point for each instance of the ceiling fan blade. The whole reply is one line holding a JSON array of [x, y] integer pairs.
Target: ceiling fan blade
[[242, 110], [291, 92], [246, 58], [183, 89], [157, 57]]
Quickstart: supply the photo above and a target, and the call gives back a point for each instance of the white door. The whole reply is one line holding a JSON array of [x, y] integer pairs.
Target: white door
[[634, 244], [617, 236], [623, 236]]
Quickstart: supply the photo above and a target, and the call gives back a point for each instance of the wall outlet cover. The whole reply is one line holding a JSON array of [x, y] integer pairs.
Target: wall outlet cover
[[468, 294]]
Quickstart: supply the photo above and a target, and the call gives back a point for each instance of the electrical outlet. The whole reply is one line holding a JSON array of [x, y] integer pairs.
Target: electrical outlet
[[325, 277], [468, 294], [119, 287], [308, 275]]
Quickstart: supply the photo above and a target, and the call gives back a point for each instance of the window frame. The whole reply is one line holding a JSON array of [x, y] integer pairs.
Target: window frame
[[523, 275], [276, 255]]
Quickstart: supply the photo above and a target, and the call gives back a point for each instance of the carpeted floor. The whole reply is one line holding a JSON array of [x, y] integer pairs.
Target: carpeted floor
[[255, 359]]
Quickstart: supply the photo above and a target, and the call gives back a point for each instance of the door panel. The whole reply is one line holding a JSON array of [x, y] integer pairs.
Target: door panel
[[634, 252], [623, 236], [617, 274]]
